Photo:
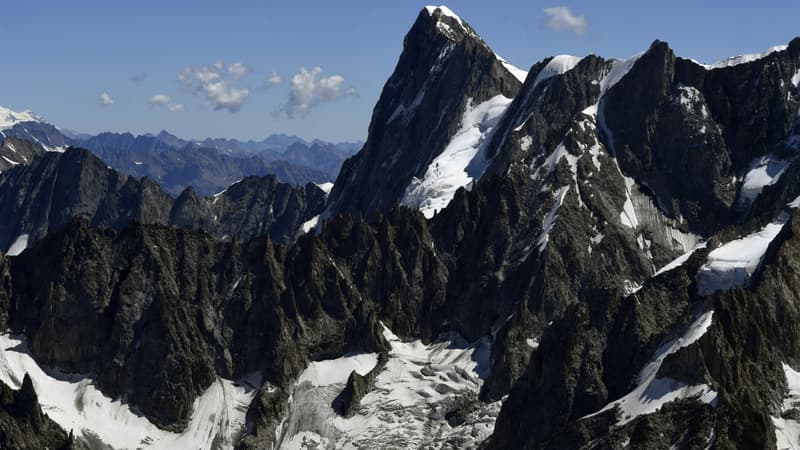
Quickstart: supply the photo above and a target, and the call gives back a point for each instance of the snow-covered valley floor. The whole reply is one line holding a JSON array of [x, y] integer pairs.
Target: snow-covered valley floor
[[407, 406]]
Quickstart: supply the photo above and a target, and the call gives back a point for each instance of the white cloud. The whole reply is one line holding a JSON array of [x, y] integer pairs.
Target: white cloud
[[219, 88], [561, 18], [165, 101], [106, 100], [160, 100], [273, 79], [238, 70], [310, 89]]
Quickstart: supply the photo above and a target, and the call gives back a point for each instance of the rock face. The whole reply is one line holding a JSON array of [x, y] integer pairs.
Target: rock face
[[631, 249], [687, 132], [445, 67], [48, 193]]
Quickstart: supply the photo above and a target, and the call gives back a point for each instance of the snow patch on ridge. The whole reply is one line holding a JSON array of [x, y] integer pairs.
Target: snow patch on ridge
[[13, 163], [462, 161], [558, 65], [19, 245], [764, 171], [652, 393], [628, 214], [679, 261], [619, 68], [73, 402], [326, 187], [732, 264], [550, 219], [518, 73], [310, 224], [742, 59]]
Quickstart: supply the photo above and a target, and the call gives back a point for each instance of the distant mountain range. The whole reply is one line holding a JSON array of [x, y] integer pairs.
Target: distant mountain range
[[208, 166]]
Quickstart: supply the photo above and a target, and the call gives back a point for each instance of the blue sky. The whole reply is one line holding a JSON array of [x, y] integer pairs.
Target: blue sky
[[60, 57]]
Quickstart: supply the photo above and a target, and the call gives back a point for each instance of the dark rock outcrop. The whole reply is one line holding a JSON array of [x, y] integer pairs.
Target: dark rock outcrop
[[53, 189], [346, 404]]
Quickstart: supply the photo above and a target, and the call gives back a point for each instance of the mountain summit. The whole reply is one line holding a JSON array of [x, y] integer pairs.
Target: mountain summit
[[446, 81]]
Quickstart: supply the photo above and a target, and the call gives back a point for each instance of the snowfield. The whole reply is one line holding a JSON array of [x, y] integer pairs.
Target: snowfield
[[73, 402], [763, 171], [461, 162], [406, 407]]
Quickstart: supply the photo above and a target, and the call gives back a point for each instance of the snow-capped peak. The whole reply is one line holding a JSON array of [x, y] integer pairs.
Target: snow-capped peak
[[9, 118], [443, 10]]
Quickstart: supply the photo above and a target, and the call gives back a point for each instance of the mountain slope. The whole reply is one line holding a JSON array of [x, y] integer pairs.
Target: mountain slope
[[444, 72]]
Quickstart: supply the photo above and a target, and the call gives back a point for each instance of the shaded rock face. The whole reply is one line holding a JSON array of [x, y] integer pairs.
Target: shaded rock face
[[55, 188], [687, 132], [444, 66]]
